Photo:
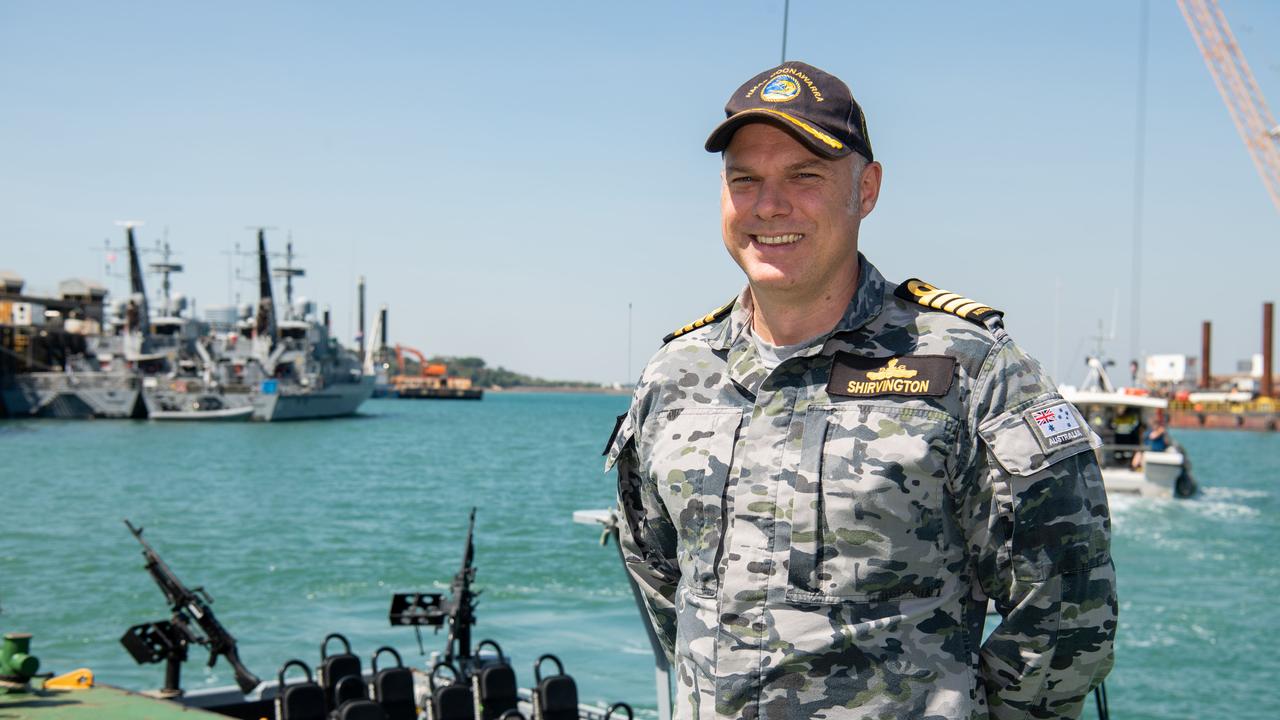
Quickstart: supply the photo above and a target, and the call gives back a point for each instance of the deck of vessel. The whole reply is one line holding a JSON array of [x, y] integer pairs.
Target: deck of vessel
[[101, 702]]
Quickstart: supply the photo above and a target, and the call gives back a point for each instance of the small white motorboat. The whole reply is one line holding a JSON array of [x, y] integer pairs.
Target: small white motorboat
[[198, 407], [1122, 417]]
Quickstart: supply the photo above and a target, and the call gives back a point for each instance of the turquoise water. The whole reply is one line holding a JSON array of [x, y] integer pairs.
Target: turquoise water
[[301, 529], [1199, 588]]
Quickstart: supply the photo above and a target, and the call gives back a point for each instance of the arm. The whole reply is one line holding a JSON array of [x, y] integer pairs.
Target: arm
[[1038, 528], [646, 537]]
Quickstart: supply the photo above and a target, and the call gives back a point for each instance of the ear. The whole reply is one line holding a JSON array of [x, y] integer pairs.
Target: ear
[[869, 187]]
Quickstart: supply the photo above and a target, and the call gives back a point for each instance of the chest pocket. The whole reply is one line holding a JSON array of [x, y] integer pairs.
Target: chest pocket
[[868, 510], [690, 453]]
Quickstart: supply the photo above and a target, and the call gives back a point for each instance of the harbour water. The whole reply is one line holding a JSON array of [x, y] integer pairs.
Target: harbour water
[[301, 529]]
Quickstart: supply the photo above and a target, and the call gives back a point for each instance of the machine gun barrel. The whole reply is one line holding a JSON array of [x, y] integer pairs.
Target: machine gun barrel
[[462, 602], [468, 572], [191, 605]]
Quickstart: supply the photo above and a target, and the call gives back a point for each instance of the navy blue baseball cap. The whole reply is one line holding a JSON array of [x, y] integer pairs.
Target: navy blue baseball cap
[[815, 107]]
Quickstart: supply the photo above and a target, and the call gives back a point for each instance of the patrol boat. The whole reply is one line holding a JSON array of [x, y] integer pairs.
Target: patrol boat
[[1121, 417], [264, 369], [186, 385], [66, 367], [464, 682], [294, 368]]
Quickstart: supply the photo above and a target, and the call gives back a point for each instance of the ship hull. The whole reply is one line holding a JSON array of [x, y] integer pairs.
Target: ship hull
[[189, 401], [440, 393], [336, 400], [65, 396]]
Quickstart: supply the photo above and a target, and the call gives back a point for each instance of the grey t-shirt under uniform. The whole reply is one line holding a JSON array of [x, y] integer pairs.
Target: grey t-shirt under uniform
[[771, 356]]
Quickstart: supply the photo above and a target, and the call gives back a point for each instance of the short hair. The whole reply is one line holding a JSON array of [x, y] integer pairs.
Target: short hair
[[859, 164]]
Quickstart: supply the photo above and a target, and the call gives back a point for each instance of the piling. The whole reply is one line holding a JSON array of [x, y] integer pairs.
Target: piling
[[1206, 332], [382, 324], [1268, 311], [360, 312]]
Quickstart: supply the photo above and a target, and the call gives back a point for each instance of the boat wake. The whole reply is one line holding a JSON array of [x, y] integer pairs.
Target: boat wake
[[1214, 502], [1228, 493]]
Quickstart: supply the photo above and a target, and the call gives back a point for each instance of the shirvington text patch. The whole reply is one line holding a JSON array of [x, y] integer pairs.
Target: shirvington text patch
[[911, 375]]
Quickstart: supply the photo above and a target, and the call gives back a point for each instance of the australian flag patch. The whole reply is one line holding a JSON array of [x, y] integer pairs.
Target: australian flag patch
[[1056, 424]]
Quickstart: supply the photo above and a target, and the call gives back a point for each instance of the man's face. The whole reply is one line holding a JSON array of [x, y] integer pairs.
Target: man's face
[[789, 217]]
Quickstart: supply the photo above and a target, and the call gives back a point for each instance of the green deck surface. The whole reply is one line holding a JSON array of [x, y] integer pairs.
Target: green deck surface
[[101, 702]]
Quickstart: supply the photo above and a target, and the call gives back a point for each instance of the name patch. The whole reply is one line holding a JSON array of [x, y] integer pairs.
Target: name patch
[[1057, 424], [909, 375]]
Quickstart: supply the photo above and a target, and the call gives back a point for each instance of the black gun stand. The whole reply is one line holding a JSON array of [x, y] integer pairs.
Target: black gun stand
[[156, 641]]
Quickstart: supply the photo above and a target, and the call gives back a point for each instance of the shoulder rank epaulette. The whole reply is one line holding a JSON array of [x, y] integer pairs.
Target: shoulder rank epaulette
[[707, 319], [922, 293]]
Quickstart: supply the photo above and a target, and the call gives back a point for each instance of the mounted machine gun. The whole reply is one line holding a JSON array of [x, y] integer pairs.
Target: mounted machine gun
[[192, 621], [433, 609]]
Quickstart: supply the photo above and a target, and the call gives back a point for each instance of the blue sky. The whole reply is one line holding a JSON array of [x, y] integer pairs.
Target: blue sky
[[509, 176]]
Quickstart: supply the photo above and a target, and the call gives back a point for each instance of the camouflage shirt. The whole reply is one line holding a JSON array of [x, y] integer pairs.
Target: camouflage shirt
[[820, 541]]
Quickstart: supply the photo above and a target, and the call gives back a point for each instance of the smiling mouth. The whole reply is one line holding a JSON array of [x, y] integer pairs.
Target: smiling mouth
[[787, 239]]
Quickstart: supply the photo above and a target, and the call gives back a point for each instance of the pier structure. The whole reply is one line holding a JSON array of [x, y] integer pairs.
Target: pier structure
[[1227, 409]]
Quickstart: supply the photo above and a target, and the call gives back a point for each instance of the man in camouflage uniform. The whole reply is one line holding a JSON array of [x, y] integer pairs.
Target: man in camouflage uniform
[[822, 483]]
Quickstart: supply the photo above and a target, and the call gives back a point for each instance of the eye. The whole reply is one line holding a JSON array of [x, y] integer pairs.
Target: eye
[[741, 180]]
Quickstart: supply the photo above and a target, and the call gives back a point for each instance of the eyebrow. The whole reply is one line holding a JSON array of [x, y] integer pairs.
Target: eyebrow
[[807, 164], [802, 165]]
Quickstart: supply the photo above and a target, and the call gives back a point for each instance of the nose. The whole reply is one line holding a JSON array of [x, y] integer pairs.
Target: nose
[[771, 201]]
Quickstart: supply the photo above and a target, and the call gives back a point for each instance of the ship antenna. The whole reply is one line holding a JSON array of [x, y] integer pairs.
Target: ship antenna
[[786, 14], [1139, 195], [288, 272], [165, 268]]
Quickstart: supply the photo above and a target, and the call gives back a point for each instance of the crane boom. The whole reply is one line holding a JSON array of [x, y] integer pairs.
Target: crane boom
[[1239, 90]]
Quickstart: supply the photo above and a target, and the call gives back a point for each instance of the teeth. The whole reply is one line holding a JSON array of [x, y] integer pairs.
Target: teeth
[[778, 239]]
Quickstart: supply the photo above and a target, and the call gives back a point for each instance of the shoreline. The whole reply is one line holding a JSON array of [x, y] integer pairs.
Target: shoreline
[[559, 389]]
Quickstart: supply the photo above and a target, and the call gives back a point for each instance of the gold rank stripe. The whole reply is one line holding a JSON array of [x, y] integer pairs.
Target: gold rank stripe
[[973, 306], [825, 138], [925, 294], [707, 319]]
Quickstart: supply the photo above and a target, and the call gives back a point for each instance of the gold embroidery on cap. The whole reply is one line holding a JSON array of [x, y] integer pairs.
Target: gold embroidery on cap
[[825, 138]]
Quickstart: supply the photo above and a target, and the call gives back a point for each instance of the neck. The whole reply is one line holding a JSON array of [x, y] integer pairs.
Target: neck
[[781, 319]]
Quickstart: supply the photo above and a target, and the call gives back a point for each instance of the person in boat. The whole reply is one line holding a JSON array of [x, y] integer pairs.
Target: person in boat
[[822, 482], [1126, 429], [1157, 439]]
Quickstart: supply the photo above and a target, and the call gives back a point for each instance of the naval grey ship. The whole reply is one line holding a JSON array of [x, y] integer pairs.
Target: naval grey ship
[[70, 357], [293, 367], [189, 385], [58, 361]]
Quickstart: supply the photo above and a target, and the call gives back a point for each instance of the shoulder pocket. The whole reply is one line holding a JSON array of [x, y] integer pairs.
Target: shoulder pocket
[[1026, 442], [1058, 507]]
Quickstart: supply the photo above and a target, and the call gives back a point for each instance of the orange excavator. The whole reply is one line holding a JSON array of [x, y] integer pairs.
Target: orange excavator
[[425, 369], [431, 381]]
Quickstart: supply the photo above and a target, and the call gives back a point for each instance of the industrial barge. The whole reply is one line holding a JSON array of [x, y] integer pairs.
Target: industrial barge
[[1231, 403]]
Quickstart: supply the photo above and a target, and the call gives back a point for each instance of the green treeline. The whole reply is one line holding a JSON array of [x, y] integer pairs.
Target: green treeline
[[484, 376]]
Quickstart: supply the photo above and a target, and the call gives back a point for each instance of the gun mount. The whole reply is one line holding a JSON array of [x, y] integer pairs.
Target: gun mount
[[192, 621], [433, 609]]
